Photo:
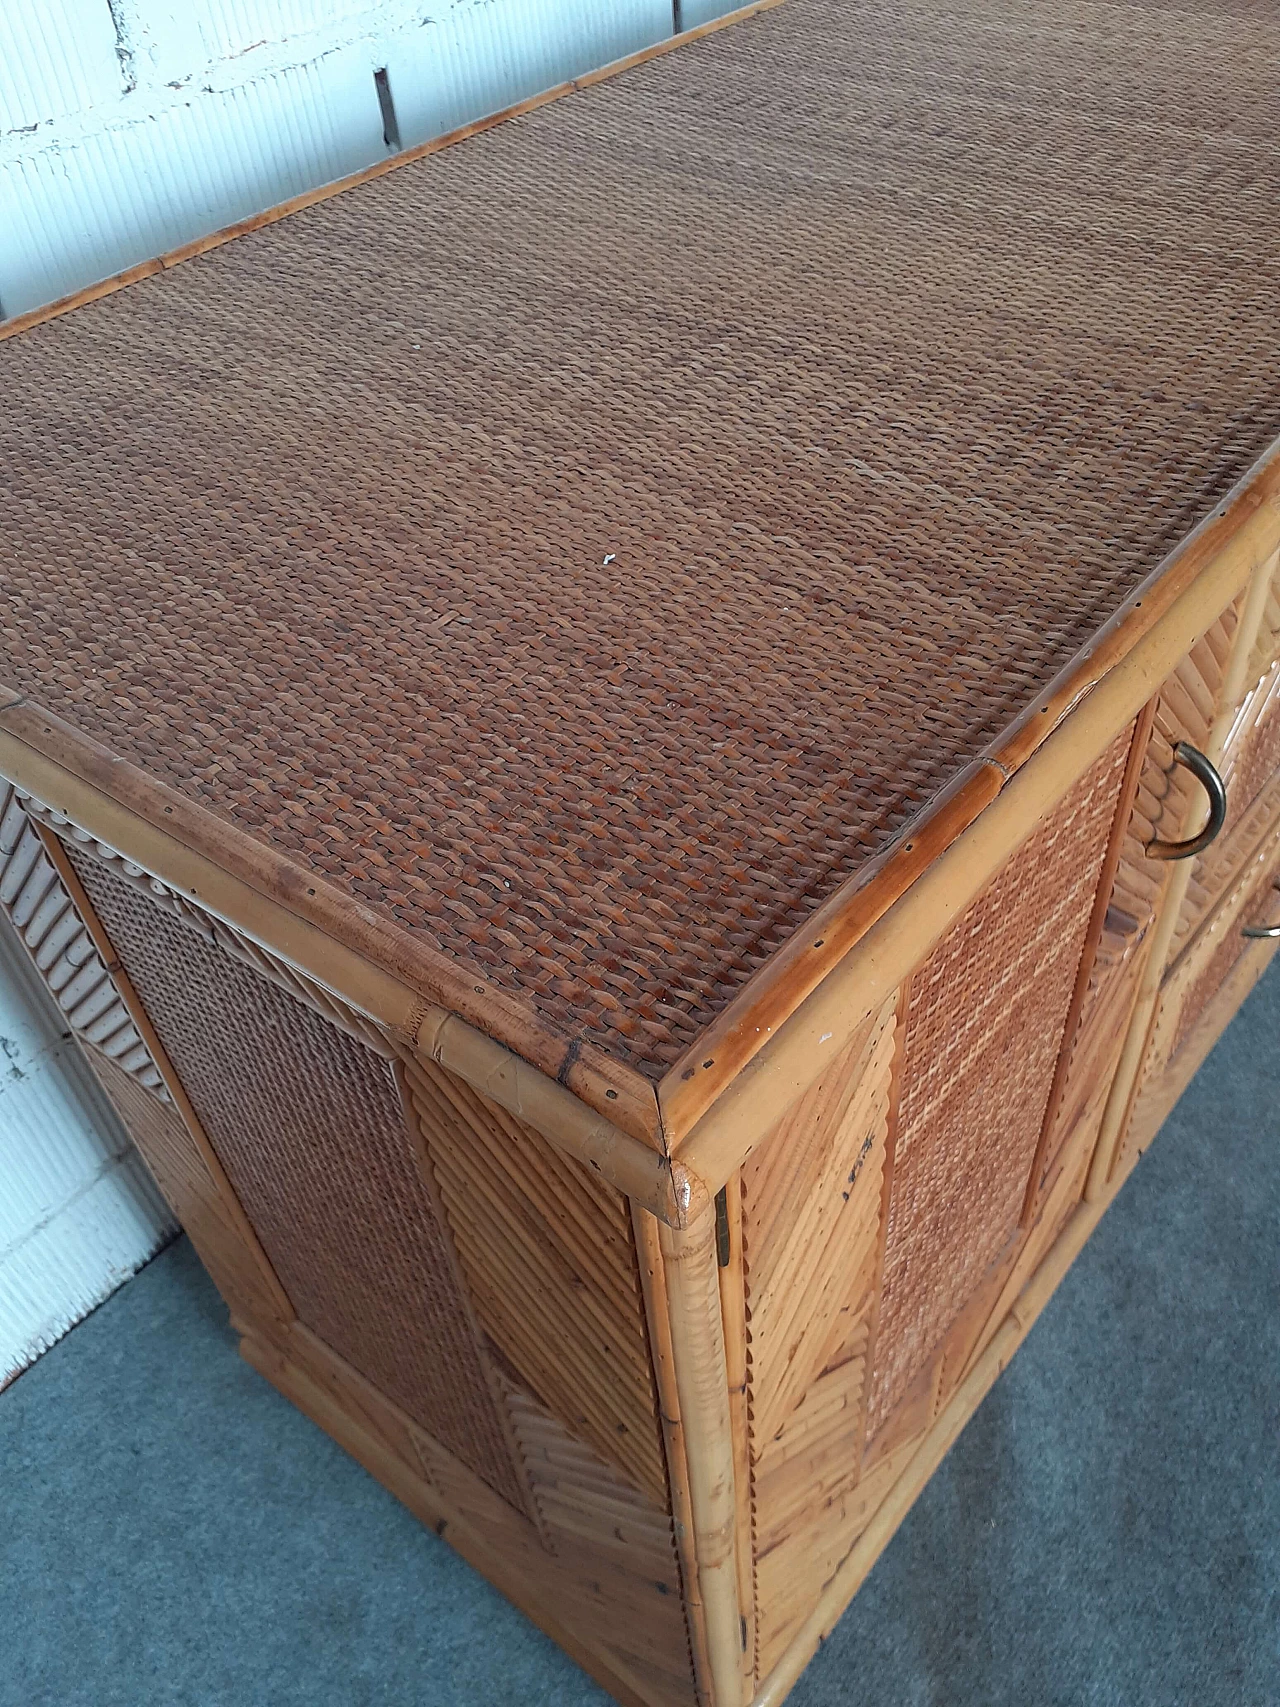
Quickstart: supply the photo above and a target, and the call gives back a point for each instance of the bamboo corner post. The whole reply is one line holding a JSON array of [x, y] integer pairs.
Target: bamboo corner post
[[692, 1277]]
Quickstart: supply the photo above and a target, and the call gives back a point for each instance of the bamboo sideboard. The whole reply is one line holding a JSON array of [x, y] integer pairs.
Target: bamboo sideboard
[[646, 750]]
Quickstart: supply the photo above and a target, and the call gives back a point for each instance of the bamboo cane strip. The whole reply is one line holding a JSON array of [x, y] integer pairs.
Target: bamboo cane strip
[[669, 1189], [538, 1266], [583, 1240], [582, 1207], [733, 1313], [426, 1172], [702, 1381], [517, 1278], [653, 1285]]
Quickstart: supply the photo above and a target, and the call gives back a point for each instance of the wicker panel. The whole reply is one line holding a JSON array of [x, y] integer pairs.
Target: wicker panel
[[550, 1265], [610, 1532], [811, 1207], [51, 930], [309, 1125], [589, 629], [984, 1028], [187, 1186]]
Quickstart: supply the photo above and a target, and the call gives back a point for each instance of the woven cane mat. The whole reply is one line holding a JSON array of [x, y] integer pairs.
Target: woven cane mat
[[591, 543]]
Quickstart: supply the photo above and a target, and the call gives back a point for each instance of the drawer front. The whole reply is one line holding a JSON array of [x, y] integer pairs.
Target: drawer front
[[1192, 707], [1251, 771], [1203, 987]]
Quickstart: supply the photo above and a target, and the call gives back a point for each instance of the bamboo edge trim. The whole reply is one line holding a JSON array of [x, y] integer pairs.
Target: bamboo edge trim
[[887, 950], [733, 1316], [668, 1189], [773, 993], [304, 903], [308, 198], [943, 1433], [1142, 1020]]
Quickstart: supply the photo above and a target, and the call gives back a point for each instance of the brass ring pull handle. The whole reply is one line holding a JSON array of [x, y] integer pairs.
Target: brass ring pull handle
[[1262, 930], [1206, 774]]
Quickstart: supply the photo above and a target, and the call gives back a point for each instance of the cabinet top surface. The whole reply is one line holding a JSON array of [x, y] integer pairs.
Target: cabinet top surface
[[590, 544]]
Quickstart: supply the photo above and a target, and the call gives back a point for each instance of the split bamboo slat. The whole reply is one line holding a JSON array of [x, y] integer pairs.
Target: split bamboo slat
[[586, 723]]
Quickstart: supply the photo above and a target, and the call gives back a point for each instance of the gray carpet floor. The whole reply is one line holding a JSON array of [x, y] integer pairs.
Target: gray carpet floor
[[1107, 1529]]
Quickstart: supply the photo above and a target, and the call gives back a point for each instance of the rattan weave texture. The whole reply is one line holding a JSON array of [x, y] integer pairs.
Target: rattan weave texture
[[591, 543], [985, 1016]]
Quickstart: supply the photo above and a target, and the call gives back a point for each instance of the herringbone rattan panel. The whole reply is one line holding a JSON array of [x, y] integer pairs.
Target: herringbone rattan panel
[[53, 933], [311, 1129], [549, 1260], [811, 1219], [561, 543], [617, 1540], [984, 1027]]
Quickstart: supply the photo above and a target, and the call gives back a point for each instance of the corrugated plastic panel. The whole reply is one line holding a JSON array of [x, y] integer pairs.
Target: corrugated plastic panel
[[477, 59], [97, 198], [120, 196], [695, 12], [78, 1212], [56, 57], [228, 27]]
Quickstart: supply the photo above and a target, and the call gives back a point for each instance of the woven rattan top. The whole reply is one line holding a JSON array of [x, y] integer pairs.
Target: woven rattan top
[[591, 543]]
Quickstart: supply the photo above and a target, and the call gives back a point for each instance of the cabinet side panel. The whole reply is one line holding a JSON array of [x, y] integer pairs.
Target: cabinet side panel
[[189, 1189], [983, 1031], [309, 1126], [549, 1260]]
